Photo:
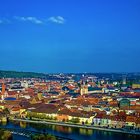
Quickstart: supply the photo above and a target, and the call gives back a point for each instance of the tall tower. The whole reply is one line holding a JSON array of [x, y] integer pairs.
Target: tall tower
[[84, 89], [3, 88], [3, 91]]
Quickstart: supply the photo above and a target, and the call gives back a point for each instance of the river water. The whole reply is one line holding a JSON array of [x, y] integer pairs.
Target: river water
[[67, 132]]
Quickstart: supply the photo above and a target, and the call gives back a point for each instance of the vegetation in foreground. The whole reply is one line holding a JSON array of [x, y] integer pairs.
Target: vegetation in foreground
[[5, 135], [43, 137]]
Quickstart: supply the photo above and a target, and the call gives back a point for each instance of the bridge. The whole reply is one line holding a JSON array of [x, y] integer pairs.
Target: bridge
[[29, 133], [21, 132]]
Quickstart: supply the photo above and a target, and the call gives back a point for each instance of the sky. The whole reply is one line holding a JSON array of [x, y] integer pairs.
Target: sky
[[53, 36]]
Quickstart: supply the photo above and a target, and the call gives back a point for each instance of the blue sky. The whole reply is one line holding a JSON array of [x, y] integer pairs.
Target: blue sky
[[70, 35]]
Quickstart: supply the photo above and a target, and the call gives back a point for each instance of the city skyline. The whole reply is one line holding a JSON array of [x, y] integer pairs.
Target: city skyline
[[70, 36]]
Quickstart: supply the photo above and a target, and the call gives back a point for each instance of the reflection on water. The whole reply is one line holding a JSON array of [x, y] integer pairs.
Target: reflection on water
[[53, 127], [23, 124], [4, 123], [70, 132], [63, 129], [85, 131]]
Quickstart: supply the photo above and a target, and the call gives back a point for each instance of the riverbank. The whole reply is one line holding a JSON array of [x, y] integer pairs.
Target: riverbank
[[132, 132]]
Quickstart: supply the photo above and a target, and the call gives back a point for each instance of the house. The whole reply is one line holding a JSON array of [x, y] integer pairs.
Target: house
[[46, 110], [131, 120], [84, 117], [110, 89], [63, 114], [15, 111], [95, 90], [136, 85]]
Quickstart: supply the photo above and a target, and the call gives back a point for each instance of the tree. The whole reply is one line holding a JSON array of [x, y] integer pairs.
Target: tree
[[5, 135], [6, 112], [43, 137], [86, 122], [75, 120]]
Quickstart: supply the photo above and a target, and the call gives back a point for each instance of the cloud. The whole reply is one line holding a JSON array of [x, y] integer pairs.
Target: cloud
[[58, 19], [34, 20], [30, 19], [4, 21]]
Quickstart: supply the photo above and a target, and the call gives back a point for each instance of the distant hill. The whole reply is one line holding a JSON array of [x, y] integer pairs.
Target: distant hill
[[15, 74]]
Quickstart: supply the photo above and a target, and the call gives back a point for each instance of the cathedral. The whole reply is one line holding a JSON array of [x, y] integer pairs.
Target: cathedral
[[84, 89]]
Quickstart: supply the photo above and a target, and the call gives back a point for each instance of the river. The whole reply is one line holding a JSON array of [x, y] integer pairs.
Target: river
[[67, 132]]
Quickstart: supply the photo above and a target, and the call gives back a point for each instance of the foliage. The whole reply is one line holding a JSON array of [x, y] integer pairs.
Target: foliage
[[86, 122], [75, 120], [15, 74], [43, 137], [6, 112], [40, 116], [5, 135]]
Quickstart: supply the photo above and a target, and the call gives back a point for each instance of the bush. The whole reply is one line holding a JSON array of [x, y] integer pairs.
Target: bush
[[75, 120], [43, 137], [5, 135]]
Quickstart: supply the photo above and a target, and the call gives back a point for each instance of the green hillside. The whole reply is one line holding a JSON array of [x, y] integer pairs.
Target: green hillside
[[15, 74]]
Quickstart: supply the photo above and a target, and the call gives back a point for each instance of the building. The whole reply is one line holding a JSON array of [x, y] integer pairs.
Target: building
[[124, 103], [4, 93], [84, 89], [136, 85]]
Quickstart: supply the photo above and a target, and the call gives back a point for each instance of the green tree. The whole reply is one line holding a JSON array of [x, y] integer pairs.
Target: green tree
[[5, 135], [75, 120], [43, 137], [86, 122], [6, 112]]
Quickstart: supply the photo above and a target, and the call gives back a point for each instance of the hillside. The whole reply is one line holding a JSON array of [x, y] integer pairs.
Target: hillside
[[15, 74]]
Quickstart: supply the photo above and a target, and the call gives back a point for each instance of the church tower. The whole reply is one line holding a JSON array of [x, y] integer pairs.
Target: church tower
[[84, 89], [3, 91]]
